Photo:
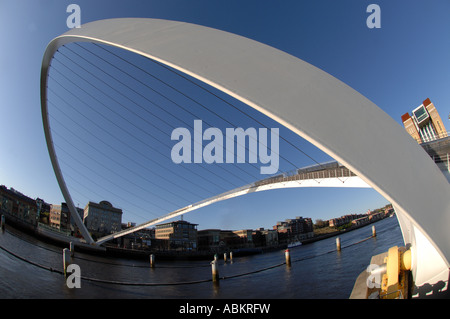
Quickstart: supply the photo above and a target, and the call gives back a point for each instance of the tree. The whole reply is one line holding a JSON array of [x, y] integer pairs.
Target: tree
[[320, 223]]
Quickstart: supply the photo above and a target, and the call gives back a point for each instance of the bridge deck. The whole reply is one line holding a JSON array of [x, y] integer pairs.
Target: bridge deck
[[327, 170]]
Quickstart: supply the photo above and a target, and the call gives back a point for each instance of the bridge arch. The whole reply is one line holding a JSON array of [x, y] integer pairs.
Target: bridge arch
[[316, 106]]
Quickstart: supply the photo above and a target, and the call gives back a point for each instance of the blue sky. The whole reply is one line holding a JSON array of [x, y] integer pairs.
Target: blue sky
[[397, 67]]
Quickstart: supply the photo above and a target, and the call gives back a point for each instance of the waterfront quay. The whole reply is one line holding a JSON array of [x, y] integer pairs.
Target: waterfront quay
[[31, 268], [173, 240]]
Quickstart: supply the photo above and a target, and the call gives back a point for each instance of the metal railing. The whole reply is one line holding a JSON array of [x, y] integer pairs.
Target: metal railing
[[435, 138], [54, 229], [328, 170], [442, 159]]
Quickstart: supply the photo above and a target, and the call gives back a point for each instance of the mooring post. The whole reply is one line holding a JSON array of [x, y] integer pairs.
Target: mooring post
[[72, 249], [288, 257], [215, 271], [152, 261], [374, 232], [66, 260], [338, 244]]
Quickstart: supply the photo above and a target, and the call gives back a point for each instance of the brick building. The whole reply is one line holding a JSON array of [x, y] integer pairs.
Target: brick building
[[18, 207], [180, 235]]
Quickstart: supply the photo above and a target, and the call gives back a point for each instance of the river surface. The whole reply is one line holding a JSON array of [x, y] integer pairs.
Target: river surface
[[317, 271]]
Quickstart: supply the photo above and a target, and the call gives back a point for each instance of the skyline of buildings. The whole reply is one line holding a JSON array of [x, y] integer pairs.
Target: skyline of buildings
[[103, 218]]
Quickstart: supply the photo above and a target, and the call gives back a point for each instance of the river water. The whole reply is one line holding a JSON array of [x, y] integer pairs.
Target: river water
[[317, 271]]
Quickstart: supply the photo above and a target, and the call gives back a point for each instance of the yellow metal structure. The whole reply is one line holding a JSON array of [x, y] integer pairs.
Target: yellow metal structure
[[395, 280]]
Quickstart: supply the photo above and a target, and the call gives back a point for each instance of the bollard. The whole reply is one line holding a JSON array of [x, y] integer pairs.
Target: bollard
[[225, 257], [2, 222], [72, 249], [152, 261], [231, 256], [338, 244], [66, 260], [215, 271], [374, 232], [288, 257]]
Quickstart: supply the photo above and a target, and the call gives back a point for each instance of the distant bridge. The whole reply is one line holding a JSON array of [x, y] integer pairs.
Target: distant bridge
[[330, 174]]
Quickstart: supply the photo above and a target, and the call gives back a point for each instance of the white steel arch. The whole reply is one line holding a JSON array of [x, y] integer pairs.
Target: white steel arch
[[310, 102]]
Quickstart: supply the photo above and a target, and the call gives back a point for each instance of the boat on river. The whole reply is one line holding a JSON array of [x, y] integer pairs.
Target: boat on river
[[294, 244]]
